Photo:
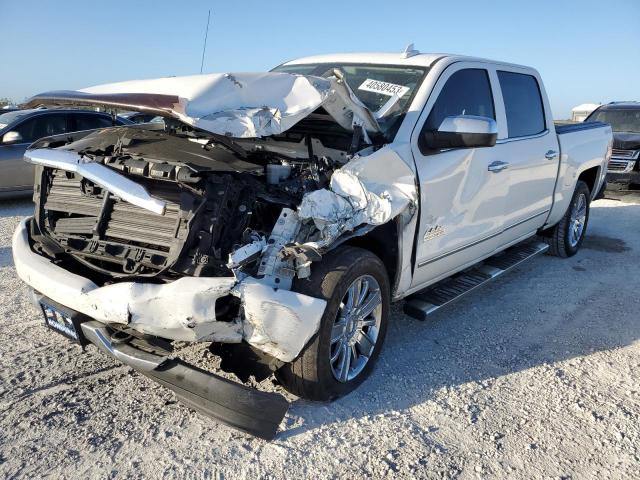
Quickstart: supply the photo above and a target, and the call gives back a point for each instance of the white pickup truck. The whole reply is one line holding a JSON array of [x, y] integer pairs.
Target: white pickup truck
[[281, 213]]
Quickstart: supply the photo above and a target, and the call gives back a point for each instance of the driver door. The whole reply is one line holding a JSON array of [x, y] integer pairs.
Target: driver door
[[463, 194]]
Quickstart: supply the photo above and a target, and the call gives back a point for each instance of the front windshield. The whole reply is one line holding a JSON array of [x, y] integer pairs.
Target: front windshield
[[621, 120], [386, 90], [10, 117]]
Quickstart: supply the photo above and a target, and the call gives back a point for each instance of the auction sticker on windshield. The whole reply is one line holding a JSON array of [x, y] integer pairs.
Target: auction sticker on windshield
[[384, 88]]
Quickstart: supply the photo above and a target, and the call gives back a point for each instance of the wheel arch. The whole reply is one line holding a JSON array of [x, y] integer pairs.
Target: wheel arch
[[384, 241], [590, 176]]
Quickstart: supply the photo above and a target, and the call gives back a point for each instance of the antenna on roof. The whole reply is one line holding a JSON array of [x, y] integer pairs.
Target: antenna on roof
[[204, 47], [409, 51]]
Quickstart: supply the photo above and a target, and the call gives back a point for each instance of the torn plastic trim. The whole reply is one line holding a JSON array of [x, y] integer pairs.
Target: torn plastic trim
[[107, 178], [360, 193], [277, 321], [239, 105]]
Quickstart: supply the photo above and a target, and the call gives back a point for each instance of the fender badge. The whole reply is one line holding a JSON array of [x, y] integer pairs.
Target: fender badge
[[433, 232]]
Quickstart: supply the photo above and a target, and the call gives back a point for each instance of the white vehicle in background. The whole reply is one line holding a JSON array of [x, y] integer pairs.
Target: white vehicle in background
[[580, 112], [285, 211]]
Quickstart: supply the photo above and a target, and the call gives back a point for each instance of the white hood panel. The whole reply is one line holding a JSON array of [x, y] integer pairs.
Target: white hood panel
[[245, 105]]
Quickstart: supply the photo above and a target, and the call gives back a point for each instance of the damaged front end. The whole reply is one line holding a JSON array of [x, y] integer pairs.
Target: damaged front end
[[198, 232], [174, 257]]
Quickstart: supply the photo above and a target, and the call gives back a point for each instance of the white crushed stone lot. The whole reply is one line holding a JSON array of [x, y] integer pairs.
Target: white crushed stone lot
[[534, 376]]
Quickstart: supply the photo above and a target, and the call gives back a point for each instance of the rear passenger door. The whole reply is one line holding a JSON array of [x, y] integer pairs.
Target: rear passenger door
[[531, 148], [88, 121]]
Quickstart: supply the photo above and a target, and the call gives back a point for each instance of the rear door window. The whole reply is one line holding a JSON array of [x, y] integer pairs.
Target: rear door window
[[522, 104], [467, 92], [40, 126], [84, 121]]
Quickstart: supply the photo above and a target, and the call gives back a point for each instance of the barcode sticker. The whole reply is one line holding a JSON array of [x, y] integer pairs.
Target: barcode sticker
[[384, 88]]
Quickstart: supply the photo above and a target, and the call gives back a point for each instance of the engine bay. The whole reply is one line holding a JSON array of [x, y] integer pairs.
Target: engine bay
[[224, 200]]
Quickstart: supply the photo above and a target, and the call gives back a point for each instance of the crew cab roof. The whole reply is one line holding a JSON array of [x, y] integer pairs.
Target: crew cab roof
[[386, 58], [419, 60]]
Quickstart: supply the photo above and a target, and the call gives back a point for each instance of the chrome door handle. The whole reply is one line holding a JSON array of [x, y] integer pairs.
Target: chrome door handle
[[497, 166], [551, 154]]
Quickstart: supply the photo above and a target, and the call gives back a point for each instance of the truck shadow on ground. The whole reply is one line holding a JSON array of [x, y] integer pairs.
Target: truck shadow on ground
[[6, 258], [547, 311], [15, 208]]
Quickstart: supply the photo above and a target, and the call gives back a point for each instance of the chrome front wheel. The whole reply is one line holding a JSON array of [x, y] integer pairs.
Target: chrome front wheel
[[355, 285], [356, 328]]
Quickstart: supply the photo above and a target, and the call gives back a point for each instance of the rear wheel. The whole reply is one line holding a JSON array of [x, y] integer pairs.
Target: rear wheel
[[341, 355], [567, 236]]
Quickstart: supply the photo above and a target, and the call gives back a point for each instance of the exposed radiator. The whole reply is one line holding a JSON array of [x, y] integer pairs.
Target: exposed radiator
[[124, 234]]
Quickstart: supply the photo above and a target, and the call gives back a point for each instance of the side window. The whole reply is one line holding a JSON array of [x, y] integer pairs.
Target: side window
[[522, 103], [467, 92], [89, 122], [42, 126]]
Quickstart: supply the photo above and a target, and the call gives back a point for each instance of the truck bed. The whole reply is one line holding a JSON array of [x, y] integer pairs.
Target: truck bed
[[583, 146], [562, 128]]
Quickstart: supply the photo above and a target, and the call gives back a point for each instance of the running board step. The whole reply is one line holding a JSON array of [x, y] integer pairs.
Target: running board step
[[426, 302]]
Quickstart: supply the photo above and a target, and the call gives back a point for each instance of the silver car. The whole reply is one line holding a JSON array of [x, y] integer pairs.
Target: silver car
[[20, 128]]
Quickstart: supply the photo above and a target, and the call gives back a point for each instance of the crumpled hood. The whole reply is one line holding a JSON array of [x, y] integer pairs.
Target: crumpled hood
[[626, 140], [240, 105]]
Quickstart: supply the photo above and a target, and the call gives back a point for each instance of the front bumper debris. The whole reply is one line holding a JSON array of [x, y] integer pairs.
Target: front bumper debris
[[278, 322], [181, 310], [258, 413]]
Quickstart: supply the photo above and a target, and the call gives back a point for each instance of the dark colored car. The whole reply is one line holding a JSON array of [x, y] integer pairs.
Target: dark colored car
[[20, 128], [623, 171], [139, 117]]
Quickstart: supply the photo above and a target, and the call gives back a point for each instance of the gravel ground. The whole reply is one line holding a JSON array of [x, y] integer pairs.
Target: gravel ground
[[534, 376]]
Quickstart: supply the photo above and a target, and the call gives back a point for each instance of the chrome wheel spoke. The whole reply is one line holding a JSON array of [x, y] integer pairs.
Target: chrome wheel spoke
[[365, 344], [368, 322], [354, 295], [370, 304], [337, 353], [354, 334], [337, 332], [345, 362], [364, 291]]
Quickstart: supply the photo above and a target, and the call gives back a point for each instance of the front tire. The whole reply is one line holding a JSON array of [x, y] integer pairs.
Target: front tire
[[566, 237], [341, 355]]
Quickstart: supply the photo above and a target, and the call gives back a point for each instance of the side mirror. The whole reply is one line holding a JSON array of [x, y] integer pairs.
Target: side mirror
[[11, 137], [462, 131]]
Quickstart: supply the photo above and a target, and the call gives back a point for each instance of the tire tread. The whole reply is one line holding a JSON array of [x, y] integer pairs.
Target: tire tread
[[303, 377], [556, 237]]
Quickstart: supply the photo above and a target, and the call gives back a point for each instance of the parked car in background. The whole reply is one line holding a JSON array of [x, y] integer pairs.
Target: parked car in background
[[139, 117], [285, 211], [623, 171], [20, 128]]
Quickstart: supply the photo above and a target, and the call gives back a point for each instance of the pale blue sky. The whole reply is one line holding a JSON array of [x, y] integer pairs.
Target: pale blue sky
[[586, 51]]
